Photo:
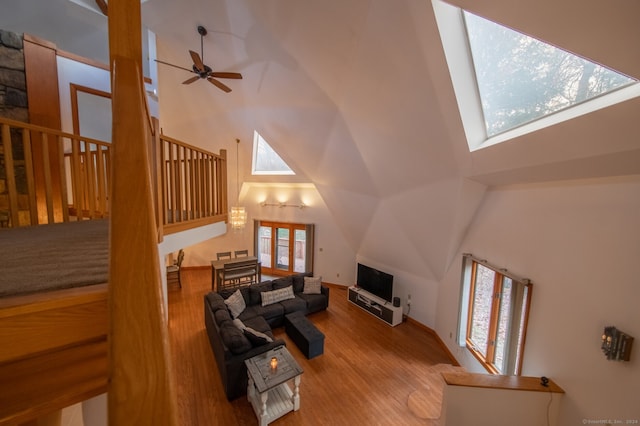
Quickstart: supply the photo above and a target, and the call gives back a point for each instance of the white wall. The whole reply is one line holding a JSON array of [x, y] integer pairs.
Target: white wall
[[579, 243], [334, 259]]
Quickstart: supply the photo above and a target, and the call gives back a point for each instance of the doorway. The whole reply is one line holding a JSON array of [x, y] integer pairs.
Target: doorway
[[284, 248]]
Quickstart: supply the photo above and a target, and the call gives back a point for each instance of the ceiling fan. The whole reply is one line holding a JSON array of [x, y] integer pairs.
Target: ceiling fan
[[203, 71]]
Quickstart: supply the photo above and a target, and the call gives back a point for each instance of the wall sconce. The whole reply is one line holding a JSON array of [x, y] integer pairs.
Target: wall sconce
[[281, 205], [616, 344]]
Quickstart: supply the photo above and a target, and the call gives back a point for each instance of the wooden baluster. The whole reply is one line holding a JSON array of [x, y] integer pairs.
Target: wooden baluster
[[31, 183]]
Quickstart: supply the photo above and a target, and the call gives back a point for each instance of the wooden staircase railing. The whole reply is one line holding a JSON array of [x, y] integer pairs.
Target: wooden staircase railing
[[193, 184], [30, 194], [190, 184], [141, 386]]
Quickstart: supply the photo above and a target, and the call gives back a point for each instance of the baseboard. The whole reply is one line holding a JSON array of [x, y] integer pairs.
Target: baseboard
[[445, 348], [194, 268]]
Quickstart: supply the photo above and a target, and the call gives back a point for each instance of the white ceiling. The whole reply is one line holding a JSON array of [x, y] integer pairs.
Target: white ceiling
[[356, 96]]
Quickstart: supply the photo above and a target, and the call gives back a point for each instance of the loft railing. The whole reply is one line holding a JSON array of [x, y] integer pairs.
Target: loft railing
[[193, 182], [51, 176], [69, 179]]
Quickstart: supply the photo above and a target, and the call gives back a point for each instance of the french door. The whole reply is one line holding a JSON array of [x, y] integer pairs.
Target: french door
[[284, 248]]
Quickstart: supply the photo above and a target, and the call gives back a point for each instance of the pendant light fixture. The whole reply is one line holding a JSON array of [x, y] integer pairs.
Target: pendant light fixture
[[238, 213]]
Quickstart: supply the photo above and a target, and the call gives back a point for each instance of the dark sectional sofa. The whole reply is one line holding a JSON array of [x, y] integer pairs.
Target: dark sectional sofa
[[231, 346]]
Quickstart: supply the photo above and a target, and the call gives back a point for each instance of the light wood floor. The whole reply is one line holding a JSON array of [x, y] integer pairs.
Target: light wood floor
[[370, 373]]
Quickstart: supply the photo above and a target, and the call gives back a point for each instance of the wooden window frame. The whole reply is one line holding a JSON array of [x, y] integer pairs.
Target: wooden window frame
[[518, 317]]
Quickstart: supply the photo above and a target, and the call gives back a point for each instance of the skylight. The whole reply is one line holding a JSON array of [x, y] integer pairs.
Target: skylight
[[265, 160], [521, 79]]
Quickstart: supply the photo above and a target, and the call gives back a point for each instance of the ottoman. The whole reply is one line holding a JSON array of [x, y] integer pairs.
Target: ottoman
[[304, 334]]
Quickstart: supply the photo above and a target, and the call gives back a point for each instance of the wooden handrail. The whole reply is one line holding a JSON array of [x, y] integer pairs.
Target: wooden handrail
[[193, 182], [190, 184], [141, 387], [85, 162]]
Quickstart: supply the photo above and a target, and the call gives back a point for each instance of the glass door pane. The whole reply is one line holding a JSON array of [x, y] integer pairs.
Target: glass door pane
[[300, 251], [482, 304], [503, 325], [264, 246], [282, 249]]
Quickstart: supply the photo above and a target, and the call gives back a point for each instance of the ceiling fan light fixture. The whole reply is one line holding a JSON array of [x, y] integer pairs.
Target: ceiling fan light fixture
[[203, 71]]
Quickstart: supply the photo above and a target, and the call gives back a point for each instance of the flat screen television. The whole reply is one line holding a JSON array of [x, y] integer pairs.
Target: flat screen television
[[375, 282]]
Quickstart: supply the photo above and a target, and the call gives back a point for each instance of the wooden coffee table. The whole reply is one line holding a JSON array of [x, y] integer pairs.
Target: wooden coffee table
[[268, 389]]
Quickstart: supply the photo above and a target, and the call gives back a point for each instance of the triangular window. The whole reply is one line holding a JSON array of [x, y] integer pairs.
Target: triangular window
[[521, 79], [265, 160]]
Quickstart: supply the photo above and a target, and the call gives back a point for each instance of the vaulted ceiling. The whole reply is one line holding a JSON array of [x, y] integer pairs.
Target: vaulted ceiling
[[356, 97]]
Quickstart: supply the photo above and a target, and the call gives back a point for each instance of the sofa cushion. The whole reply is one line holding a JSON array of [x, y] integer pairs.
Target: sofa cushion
[[236, 303], [274, 296], [297, 304], [267, 312], [298, 281], [256, 338], [312, 285], [222, 315], [282, 282], [215, 301], [315, 302], [234, 338], [255, 289], [226, 293], [259, 324]]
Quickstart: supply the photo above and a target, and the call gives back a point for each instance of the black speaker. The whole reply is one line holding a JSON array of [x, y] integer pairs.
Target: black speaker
[[396, 301]]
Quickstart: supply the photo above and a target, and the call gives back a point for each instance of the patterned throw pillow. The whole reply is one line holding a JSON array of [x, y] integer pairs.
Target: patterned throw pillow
[[236, 304], [312, 285], [270, 297]]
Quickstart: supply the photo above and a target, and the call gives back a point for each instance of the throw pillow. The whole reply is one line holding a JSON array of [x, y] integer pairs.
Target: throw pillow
[[270, 297], [256, 289], [312, 285], [236, 304], [256, 338], [238, 323]]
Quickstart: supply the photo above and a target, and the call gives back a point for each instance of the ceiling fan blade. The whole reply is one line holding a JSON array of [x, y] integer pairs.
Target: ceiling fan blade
[[234, 75], [171, 65], [219, 85], [191, 80], [197, 61]]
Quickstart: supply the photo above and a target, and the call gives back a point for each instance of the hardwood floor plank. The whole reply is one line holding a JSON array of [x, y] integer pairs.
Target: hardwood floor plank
[[370, 373]]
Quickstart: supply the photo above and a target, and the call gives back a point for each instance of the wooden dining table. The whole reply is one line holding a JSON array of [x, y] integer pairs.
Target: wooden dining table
[[218, 265]]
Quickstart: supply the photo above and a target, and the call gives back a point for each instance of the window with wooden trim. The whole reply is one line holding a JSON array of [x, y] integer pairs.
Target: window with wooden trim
[[494, 310]]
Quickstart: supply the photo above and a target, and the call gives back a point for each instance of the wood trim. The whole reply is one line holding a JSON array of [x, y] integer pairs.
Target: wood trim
[[44, 109], [45, 325], [39, 41], [83, 60], [499, 382], [31, 387], [172, 228], [74, 89], [444, 347], [90, 62]]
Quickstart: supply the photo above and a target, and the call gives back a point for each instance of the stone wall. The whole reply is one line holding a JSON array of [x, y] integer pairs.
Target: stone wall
[[13, 105], [13, 86]]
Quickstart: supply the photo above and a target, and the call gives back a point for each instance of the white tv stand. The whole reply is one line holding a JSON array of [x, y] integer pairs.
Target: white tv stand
[[376, 306]]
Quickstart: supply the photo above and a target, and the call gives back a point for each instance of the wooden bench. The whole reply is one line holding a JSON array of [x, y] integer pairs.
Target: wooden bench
[[238, 274]]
